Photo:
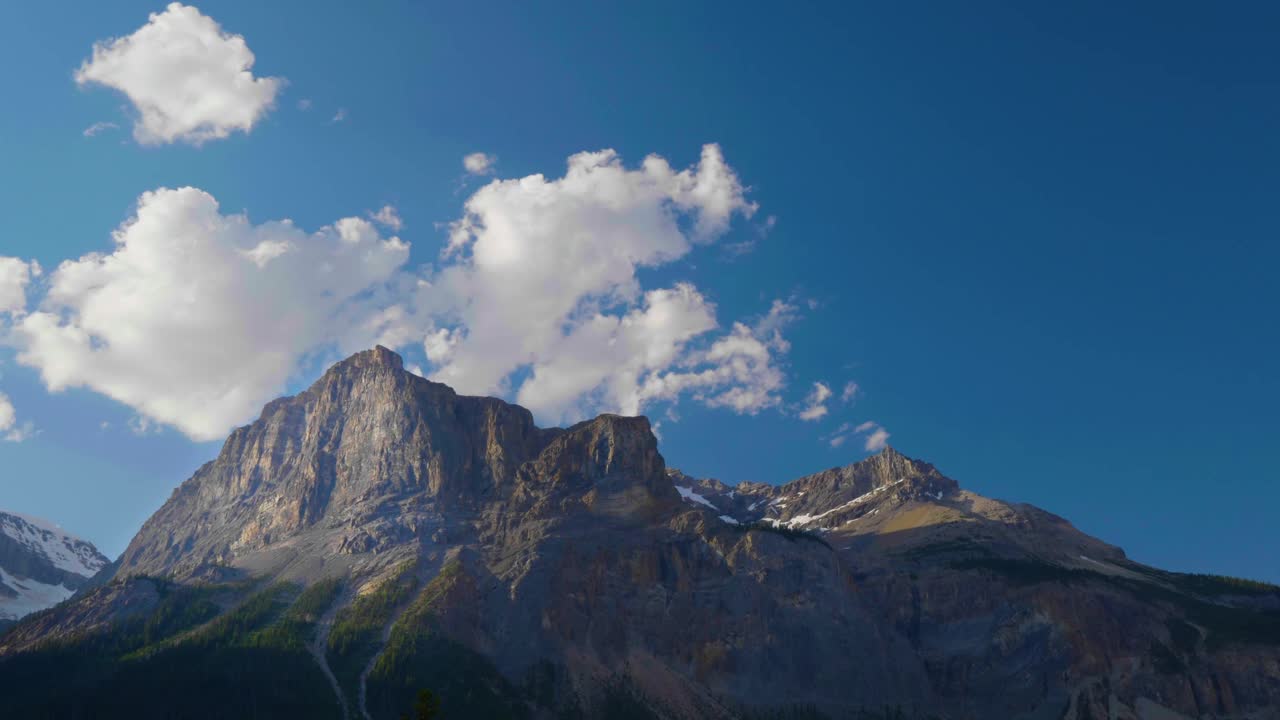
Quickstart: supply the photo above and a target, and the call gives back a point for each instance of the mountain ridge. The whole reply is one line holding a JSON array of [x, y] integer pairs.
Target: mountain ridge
[[409, 532]]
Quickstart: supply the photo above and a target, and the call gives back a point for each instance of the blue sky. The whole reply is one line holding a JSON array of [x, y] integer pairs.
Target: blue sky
[[1041, 241]]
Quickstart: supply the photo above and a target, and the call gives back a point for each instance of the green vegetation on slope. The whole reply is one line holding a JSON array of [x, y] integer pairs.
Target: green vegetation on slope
[[356, 636], [1223, 585], [417, 655], [786, 532], [297, 628], [248, 663], [233, 628]]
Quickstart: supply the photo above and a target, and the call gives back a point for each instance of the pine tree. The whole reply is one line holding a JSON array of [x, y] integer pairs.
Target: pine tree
[[427, 707]]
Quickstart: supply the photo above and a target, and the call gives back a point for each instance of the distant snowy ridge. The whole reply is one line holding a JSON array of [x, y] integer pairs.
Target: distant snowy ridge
[[41, 564], [62, 549], [823, 501], [802, 520]]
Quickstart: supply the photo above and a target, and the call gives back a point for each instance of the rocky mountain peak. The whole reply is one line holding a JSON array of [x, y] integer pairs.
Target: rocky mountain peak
[[371, 457], [885, 468], [378, 357], [623, 435], [889, 465], [828, 497]]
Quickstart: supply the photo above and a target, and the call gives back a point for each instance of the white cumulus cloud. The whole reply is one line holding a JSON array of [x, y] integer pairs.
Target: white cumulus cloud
[[601, 361], [739, 371], [10, 429], [15, 276], [187, 79], [815, 404], [541, 276], [196, 318]]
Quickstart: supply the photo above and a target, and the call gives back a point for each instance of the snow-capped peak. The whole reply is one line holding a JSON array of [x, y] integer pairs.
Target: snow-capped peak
[[60, 548]]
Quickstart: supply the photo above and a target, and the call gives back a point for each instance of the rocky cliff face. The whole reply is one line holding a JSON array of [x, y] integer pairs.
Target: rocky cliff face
[[570, 567], [40, 565], [365, 462]]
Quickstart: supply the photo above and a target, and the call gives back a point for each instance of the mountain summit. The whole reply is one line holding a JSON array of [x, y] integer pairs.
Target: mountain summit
[[379, 534], [360, 468]]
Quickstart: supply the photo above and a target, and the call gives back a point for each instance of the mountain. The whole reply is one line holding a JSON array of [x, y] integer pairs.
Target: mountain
[[379, 534], [40, 565]]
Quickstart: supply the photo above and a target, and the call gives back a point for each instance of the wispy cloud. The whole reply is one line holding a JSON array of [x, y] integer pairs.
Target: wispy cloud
[[388, 218], [815, 404], [874, 437], [733, 251], [143, 426], [478, 163], [99, 127], [877, 440]]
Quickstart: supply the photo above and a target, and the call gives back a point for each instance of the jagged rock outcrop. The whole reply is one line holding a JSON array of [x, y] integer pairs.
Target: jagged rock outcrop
[[567, 568], [823, 500]]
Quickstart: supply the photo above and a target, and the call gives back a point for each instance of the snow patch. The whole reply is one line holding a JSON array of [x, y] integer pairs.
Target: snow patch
[[693, 497], [731, 521], [32, 596], [806, 518]]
